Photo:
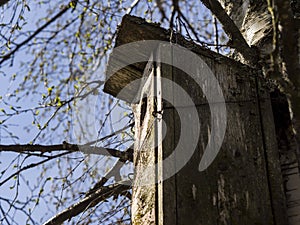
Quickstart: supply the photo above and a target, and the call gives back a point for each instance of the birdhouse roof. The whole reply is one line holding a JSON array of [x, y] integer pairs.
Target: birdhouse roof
[[133, 29]]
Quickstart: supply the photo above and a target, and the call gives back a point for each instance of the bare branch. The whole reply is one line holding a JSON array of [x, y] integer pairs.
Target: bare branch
[[88, 202], [126, 155], [237, 40], [190, 27], [32, 165]]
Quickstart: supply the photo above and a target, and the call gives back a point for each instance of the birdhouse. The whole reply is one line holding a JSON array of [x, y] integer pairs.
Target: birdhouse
[[205, 142]]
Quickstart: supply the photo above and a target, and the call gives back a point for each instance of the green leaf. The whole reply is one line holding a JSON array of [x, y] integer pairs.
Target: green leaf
[[72, 4], [50, 90], [90, 45], [58, 102]]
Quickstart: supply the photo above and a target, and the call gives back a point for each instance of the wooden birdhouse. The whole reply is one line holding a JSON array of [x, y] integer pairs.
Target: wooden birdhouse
[[239, 184]]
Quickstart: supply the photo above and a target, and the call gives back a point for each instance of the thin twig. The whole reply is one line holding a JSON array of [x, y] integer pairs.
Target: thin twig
[[216, 34], [39, 30], [190, 27], [113, 172], [32, 165], [88, 202]]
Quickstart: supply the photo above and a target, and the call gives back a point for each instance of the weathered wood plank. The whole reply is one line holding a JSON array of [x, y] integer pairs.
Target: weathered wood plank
[[234, 189], [144, 187], [243, 184], [167, 205]]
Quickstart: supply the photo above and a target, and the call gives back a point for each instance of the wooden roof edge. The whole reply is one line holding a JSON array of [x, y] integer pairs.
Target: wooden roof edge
[[133, 29]]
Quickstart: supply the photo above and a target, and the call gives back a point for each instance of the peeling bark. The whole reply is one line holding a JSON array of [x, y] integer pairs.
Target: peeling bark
[[237, 41], [253, 20]]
